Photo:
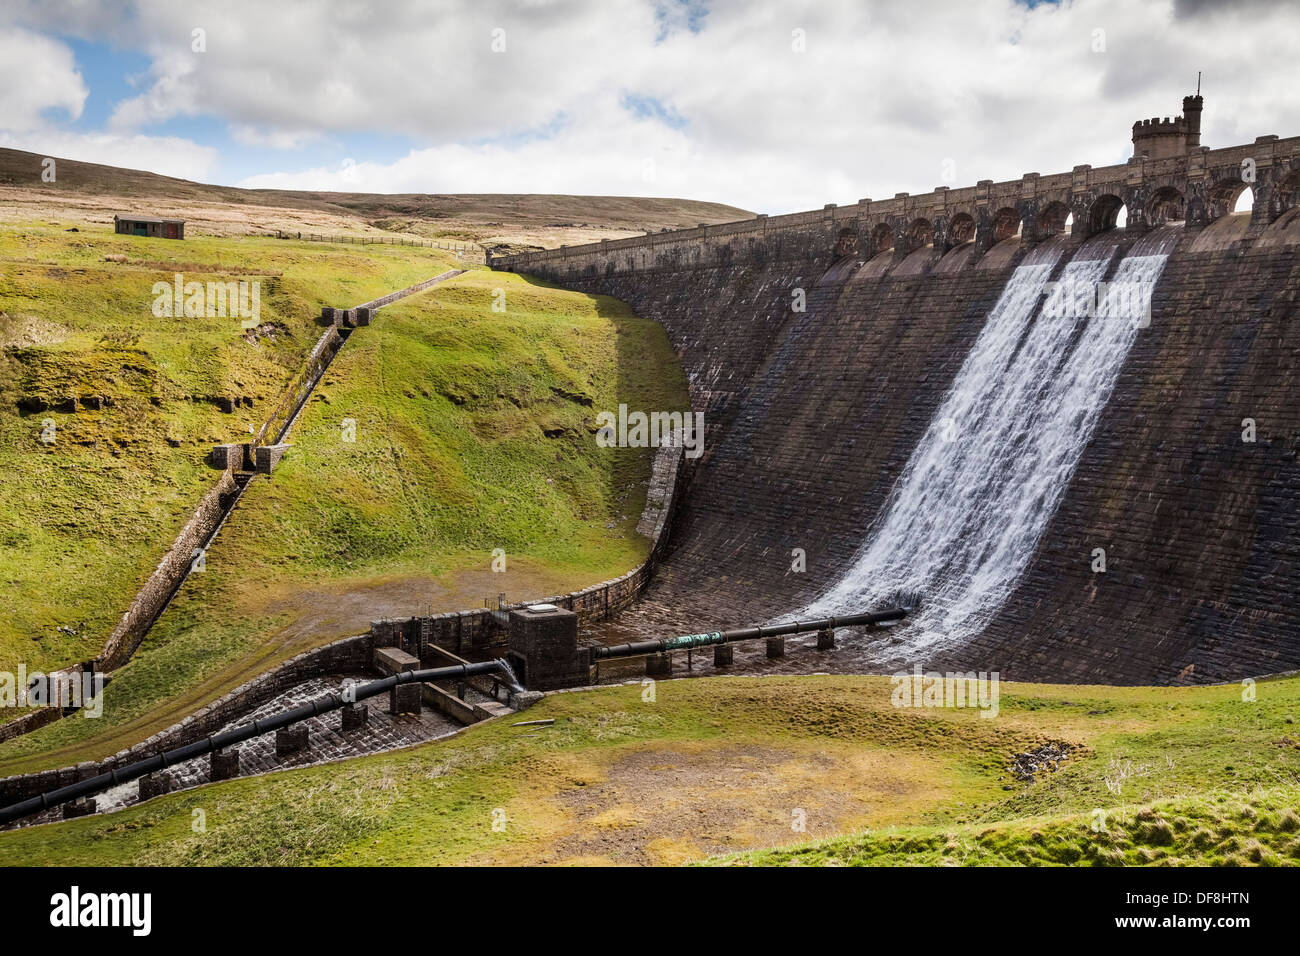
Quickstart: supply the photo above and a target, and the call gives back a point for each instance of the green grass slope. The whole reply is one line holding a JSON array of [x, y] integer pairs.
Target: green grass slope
[[705, 767], [474, 431], [84, 520]]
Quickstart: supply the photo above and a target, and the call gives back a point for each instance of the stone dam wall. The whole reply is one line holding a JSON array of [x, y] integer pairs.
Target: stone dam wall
[[812, 416]]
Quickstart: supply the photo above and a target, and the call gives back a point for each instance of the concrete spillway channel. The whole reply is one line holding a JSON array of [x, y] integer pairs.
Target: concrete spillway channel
[[291, 736]]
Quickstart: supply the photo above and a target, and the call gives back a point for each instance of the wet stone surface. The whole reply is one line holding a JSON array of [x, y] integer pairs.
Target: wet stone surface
[[856, 652], [326, 741]]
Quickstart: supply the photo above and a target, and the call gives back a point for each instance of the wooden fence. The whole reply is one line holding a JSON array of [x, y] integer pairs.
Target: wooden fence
[[473, 252]]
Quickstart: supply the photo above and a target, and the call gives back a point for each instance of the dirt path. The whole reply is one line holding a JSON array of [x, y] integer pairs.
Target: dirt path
[[667, 804]]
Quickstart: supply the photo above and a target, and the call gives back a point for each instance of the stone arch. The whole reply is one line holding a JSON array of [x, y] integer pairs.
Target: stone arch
[[920, 233], [961, 229], [1222, 196], [1006, 223], [882, 239], [1166, 204], [1288, 191], [1052, 220], [1103, 213], [846, 244]]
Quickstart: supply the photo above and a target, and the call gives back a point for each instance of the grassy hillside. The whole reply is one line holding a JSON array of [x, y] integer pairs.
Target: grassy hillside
[[85, 518], [474, 430], [1173, 776]]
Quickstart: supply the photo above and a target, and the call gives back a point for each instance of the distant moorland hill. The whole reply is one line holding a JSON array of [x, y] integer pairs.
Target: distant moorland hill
[[492, 218]]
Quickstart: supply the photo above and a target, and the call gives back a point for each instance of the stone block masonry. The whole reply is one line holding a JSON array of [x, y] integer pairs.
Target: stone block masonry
[[155, 785], [812, 417], [290, 740], [390, 660], [351, 654], [405, 699], [268, 456], [79, 808], [354, 716], [227, 457], [544, 648], [224, 764], [167, 576]]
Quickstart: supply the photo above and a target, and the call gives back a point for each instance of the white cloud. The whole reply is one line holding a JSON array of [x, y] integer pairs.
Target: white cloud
[[39, 79], [887, 96], [173, 91], [274, 138], [36, 74]]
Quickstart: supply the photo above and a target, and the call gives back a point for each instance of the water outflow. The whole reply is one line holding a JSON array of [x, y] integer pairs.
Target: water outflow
[[965, 517]]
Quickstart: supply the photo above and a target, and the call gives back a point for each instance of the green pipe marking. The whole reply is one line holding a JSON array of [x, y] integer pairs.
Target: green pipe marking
[[693, 640]]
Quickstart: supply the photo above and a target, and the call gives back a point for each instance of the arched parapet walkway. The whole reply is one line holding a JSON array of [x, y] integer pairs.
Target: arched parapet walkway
[[920, 233], [995, 224], [880, 239], [1042, 216], [1214, 196], [1277, 192], [1150, 203], [1051, 218], [1200, 187], [846, 243], [1006, 223], [1101, 213], [1164, 205], [957, 230], [900, 226]]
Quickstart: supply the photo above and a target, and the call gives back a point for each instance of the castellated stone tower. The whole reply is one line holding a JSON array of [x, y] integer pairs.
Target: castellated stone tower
[[1161, 138], [1192, 111]]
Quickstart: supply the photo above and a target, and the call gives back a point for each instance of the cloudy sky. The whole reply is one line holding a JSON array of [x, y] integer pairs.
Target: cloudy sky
[[770, 106]]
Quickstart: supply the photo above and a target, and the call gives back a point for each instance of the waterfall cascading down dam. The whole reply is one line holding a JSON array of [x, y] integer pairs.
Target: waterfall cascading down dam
[[968, 511], [814, 416]]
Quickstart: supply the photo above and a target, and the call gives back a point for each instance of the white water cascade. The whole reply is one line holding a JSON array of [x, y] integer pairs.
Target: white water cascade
[[966, 515]]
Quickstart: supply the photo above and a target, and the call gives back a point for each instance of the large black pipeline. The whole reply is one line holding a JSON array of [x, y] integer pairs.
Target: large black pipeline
[[745, 634], [322, 705]]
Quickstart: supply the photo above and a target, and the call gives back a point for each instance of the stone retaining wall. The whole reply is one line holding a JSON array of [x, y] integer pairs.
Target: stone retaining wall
[[167, 576], [351, 654]]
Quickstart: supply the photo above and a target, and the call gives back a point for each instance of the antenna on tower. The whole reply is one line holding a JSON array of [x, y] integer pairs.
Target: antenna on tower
[[1198, 82]]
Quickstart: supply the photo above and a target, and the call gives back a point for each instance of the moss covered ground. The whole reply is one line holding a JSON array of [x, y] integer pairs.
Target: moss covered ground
[[754, 771], [442, 432]]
